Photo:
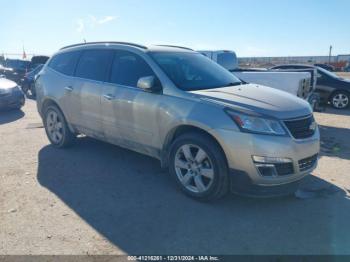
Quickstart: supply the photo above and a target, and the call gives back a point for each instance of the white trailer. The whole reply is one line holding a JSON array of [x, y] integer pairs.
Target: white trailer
[[296, 83]]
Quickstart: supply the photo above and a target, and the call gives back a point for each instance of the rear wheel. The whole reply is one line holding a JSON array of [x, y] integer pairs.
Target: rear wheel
[[56, 128], [199, 166], [340, 99]]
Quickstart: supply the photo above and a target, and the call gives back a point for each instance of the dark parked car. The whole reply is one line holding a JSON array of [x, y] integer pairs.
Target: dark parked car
[[331, 87], [347, 68], [327, 67], [9, 73], [11, 95], [16, 69], [27, 85]]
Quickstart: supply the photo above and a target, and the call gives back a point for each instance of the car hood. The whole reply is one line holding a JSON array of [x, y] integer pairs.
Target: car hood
[[6, 84], [257, 99]]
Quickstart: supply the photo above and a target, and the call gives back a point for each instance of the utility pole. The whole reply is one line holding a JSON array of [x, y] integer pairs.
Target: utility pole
[[330, 54]]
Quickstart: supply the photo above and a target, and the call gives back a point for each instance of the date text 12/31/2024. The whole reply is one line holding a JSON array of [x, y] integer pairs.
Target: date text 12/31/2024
[[173, 258]]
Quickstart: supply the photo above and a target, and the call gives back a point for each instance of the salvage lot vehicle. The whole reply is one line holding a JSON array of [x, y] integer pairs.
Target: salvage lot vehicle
[[327, 67], [18, 69], [28, 81], [11, 95], [331, 87], [213, 131], [298, 82]]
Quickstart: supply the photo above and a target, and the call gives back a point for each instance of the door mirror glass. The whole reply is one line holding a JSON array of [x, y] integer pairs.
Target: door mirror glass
[[148, 83]]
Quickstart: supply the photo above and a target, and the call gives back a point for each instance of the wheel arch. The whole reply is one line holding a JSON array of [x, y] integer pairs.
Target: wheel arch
[[180, 130], [336, 91], [51, 102]]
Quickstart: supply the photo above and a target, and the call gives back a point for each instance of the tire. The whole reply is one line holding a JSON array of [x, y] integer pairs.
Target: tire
[[207, 182], [57, 130], [340, 99]]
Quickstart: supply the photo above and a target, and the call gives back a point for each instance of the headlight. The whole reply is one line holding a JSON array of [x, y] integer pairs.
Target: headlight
[[5, 91], [256, 124], [9, 90]]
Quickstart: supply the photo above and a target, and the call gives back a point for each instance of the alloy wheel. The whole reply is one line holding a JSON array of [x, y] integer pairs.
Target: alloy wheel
[[194, 168], [54, 127], [340, 100]]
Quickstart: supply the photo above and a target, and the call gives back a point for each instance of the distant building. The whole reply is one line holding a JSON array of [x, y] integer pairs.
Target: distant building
[[292, 60]]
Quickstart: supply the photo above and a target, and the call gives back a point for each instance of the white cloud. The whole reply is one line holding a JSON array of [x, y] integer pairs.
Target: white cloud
[[94, 21], [106, 19], [80, 25]]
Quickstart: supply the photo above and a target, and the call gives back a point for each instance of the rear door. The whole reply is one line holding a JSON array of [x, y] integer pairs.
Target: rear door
[[91, 74], [62, 81]]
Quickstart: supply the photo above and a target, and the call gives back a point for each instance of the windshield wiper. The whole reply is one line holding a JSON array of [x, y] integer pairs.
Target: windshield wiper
[[233, 84]]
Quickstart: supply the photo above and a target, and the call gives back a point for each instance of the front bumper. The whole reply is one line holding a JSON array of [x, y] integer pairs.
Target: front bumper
[[239, 148], [240, 183], [14, 99]]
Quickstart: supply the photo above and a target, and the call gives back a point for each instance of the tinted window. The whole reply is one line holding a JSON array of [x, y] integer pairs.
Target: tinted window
[[35, 71], [94, 64], [227, 60], [65, 62], [128, 68], [193, 71]]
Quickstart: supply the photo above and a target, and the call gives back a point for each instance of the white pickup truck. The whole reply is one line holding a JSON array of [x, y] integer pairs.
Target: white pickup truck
[[301, 83]]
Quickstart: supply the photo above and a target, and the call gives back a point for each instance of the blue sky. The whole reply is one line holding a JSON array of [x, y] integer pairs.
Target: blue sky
[[250, 27]]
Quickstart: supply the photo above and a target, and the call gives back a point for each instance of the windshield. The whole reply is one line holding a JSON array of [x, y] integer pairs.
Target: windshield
[[328, 73], [193, 71]]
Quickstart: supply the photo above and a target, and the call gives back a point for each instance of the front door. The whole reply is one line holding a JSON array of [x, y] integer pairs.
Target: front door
[[129, 113]]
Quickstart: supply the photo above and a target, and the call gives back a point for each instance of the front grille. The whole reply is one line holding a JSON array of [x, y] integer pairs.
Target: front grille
[[301, 128], [5, 94], [307, 163]]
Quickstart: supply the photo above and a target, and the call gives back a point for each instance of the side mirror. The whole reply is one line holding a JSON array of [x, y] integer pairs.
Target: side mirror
[[149, 83]]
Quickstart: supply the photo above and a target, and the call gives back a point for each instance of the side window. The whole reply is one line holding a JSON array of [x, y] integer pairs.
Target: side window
[[320, 75], [65, 62], [227, 60], [94, 64], [128, 68]]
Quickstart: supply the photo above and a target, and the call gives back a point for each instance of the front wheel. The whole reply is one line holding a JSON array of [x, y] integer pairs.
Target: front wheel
[[199, 166], [56, 128], [340, 100]]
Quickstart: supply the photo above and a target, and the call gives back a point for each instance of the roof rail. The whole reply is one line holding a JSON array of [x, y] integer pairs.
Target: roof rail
[[106, 42], [182, 47]]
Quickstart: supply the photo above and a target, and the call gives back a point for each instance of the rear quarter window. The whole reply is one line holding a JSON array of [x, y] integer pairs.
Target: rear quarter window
[[65, 63]]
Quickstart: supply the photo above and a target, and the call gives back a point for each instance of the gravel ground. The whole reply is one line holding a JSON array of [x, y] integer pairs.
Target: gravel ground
[[97, 198], [344, 74]]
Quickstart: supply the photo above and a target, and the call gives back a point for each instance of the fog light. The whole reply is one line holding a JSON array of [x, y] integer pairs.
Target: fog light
[[266, 169], [271, 160], [273, 166]]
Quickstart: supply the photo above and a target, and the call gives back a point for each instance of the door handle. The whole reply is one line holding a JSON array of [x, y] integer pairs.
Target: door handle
[[69, 88], [108, 96]]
